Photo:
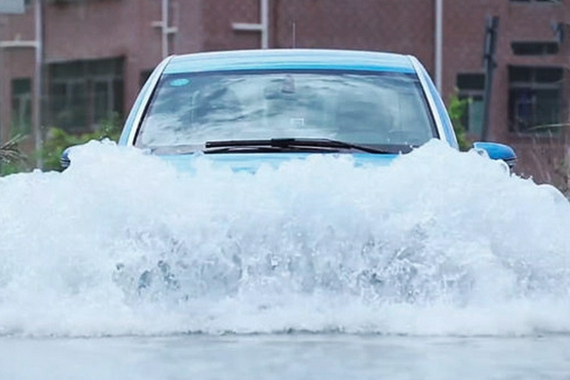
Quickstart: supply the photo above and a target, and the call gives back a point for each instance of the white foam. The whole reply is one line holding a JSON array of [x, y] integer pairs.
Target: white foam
[[439, 242]]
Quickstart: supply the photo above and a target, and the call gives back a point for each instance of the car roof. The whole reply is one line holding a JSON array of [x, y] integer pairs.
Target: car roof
[[276, 59]]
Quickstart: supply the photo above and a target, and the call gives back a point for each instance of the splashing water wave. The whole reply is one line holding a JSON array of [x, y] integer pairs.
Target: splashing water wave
[[438, 242]]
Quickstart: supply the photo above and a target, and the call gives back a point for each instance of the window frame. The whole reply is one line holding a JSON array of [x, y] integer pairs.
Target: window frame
[[545, 2], [533, 85], [471, 93], [138, 140], [518, 48], [21, 114], [83, 107]]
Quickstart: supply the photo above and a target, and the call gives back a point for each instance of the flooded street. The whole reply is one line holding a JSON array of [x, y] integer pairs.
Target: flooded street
[[286, 357], [438, 266]]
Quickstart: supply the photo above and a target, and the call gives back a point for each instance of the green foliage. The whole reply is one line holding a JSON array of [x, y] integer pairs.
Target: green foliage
[[12, 159], [457, 109], [58, 140]]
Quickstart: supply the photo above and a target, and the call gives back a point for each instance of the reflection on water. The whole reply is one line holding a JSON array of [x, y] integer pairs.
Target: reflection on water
[[286, 357]]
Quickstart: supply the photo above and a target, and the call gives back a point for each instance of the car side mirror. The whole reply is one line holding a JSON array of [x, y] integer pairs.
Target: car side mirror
[[64, 159], [497, 151]]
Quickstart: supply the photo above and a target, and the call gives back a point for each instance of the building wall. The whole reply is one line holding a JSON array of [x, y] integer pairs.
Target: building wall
[[85, 30], [94, 29], [539, 155], [218, 18], [388, 25], [120, 28], [14, 63]]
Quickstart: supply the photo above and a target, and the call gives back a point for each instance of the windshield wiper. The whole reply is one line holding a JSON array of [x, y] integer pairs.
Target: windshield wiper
[[287, 144]]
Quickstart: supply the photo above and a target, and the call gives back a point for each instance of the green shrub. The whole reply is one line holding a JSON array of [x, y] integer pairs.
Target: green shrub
[[57, 140], [457, 109], [12, 159]]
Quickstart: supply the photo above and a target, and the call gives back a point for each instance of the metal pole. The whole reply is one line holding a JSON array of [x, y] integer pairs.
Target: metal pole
[[264, 24], [492, 24], [37, 98], [438, 42], [164, 28], [294, 35]]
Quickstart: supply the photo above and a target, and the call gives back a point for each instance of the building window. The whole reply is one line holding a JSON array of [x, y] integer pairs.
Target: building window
[[65, 1], [536, 1], [534, 48], [535, 99], [84, 93], [21, 105], [471, 87]]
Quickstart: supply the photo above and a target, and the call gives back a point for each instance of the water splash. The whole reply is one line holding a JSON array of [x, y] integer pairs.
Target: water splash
[[439, 242]]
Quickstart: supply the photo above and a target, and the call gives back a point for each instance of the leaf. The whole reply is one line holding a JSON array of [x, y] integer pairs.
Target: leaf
[[10, 151]]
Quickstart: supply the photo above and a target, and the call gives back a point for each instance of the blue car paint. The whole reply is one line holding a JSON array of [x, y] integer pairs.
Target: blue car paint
[[282, 59], [497, 151], [251, 162]]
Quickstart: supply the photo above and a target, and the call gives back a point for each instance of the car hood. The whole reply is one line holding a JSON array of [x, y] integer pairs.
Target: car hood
[[251, 162]]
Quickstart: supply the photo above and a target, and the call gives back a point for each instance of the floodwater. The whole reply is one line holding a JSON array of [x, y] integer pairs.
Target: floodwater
[[438, 266], [319, 356]]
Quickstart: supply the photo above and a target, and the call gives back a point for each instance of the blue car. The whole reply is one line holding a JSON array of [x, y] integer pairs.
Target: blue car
[[253, 107]]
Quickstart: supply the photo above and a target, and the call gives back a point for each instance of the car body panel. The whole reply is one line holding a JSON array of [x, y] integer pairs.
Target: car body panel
[[279, 59], [251, 162]]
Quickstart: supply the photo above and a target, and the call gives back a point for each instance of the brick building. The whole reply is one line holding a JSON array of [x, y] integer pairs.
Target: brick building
[[93, 55]]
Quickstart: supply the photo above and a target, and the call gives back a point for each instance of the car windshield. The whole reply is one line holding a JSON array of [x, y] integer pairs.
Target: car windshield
[[367, 108]]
